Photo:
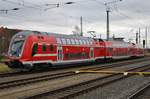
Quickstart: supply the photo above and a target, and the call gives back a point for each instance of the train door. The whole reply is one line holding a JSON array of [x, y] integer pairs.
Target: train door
[[92, 53], [59, 53]]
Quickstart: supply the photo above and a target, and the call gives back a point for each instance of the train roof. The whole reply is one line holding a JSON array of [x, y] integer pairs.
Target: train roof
[[28, 32], [115, 43], [70, 36], [107, 43]]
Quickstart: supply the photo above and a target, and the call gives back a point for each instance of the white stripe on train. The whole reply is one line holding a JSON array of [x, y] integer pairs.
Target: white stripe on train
[[70, 61], [57, 62], [44, 55]]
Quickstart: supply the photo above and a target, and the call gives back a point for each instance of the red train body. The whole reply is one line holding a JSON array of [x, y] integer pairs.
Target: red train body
[[29, 49]]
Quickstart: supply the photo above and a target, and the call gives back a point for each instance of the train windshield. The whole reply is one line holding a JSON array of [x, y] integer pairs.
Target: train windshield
[[17, 42], [16, 48]]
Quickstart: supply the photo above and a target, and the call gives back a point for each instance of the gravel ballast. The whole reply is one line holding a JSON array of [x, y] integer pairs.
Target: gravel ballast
[[118, 90]]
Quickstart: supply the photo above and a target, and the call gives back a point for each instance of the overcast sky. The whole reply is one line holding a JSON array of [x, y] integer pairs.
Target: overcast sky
[[125, 16]]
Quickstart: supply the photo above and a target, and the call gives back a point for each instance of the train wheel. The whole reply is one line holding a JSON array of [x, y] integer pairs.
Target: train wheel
[[27, 67]]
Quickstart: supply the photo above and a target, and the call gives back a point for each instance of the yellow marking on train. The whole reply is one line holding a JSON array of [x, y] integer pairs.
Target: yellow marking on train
[[113, 72]]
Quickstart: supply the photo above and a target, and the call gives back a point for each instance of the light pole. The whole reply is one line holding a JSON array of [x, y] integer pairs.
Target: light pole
[[139, 35], [136, 37], [81, 26], [146, 30], [107, 12]]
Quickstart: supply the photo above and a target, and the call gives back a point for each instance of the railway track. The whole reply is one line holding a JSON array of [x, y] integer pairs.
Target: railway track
[[84, 87], [7, 74], [40, 78], [16, 73], [142, 93]]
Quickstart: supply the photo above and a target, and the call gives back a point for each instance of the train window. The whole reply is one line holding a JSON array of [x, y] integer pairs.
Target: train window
[[72, 41], [68, 41], [77, 42], [58, 40], [34, 49], [44, 47], [87, 42], [91, 42], [51, 47], [80, 42], [84, 41], [63, 41]]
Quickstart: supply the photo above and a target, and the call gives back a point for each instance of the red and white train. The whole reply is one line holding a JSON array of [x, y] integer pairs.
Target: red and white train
[[29, 49]]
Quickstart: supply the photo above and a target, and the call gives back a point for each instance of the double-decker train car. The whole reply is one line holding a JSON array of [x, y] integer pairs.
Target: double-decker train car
[[32, 49]]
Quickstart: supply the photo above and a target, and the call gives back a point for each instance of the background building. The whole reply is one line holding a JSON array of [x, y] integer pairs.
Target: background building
[[5, 37]]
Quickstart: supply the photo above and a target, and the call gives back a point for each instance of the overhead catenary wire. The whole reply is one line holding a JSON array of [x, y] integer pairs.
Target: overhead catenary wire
[[116, 10], [121, 13], [21, 4], [127, 16], [11, 17], [27, 4], [18, 17]]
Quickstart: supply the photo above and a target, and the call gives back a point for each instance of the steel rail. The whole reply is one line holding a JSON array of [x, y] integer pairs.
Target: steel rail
[[140, 91], [84, 87], [16, 73], [46, 77]]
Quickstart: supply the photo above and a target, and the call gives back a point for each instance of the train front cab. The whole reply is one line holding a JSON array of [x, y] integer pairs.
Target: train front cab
[[26, 50], [16, 49]]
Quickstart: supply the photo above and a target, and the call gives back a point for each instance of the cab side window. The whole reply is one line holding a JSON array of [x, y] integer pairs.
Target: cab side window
[[34, 49], [51, 47], [44, 47]]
